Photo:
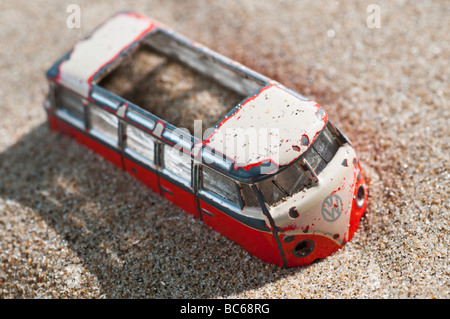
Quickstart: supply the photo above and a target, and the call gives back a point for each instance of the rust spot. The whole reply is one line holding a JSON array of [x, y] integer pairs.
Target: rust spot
[[296, 148], [336, 236], [306, 229]]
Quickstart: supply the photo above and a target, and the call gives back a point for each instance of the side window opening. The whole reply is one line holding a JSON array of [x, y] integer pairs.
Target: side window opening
[[69, 103], [177, 162], [220, 185], [139, 144], [104, 124]]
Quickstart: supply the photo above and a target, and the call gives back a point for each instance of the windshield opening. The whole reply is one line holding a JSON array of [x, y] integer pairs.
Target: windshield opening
[[304, 172], [327, 144]]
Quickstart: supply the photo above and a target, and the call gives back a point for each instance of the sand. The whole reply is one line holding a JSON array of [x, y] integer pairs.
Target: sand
[[170, 90], [74, 226]]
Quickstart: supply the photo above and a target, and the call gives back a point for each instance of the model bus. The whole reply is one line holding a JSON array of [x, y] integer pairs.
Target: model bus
[[127, 90]]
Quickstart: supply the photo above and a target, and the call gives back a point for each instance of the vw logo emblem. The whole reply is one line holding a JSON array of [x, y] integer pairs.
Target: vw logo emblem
[[332, 208]]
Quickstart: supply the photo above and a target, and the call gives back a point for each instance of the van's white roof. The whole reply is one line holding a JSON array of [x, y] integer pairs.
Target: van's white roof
[[273, 126]]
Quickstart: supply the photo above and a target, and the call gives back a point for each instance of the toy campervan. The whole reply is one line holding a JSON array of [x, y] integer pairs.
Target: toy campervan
[[267, 168]]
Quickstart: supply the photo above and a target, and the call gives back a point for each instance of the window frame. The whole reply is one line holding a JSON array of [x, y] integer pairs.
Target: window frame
[[118, 143], [209, 193], [161, 154], [327, 137], [135, 155]]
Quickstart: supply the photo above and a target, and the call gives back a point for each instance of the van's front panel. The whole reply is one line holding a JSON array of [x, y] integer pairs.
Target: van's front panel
[[321, 213]]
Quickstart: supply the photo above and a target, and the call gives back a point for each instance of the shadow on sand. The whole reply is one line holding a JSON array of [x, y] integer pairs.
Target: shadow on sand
[[132, 240]]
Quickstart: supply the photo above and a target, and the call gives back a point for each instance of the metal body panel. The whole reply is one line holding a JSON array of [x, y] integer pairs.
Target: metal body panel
[[325, 208]]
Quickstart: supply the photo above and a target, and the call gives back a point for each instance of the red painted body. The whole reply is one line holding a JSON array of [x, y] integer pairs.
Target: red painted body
[[179, 196], [323, 248], [259, 243], [143, 174]]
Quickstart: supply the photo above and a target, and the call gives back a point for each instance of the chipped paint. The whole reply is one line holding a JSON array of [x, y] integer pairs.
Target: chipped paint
[[102, 47], [272, 109], [335, 180]]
